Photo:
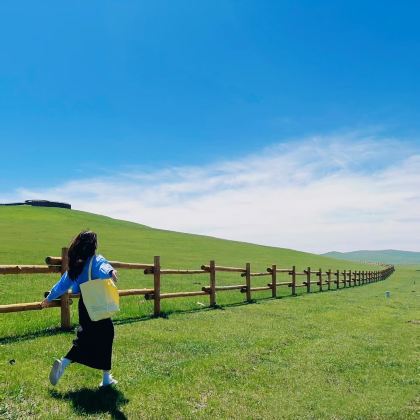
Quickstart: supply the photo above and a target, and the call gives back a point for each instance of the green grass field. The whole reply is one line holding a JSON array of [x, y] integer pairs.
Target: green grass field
[[341, 354]]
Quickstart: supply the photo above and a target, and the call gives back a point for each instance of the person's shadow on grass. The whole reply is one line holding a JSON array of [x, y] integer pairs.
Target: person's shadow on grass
[[95, 401]]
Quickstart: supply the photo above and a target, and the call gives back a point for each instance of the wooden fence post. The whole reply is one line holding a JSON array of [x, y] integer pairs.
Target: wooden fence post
[[212, 284], [337, 277], [359, 277], [274, 281], [293, 272], [345, 278], [308, 280], [349, 278], [248, 281], [320, 280], [65, 298], [156, 285], [329, 278]]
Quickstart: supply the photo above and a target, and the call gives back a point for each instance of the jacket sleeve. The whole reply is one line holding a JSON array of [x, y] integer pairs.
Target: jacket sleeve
[[61, 287], [105, 268]]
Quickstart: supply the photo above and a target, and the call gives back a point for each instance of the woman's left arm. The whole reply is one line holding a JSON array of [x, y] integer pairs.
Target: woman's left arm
[[106, 270]]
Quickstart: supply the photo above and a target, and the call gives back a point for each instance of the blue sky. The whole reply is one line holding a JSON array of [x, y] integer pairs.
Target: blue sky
[[100, 89]]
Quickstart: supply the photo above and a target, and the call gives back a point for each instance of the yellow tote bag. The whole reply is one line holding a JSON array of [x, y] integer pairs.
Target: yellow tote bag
[[101, 297]]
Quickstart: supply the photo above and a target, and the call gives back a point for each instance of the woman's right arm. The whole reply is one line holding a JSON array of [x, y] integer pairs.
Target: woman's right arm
[[61, 287]]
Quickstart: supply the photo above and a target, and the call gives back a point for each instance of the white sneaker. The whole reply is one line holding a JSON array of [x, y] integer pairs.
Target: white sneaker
[[56, 371], [110, 381]]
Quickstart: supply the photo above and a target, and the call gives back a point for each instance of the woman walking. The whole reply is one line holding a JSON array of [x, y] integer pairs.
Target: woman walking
[[93, 345]]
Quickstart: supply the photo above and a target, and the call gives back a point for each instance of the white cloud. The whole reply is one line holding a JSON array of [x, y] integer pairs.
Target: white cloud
[[317, 194]]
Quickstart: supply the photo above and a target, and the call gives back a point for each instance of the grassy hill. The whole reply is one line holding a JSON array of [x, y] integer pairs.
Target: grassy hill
[[342, 354], [388, 256], [29, 234]]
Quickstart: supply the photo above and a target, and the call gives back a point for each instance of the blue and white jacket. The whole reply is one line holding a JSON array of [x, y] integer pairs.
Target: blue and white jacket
[[101, 269]]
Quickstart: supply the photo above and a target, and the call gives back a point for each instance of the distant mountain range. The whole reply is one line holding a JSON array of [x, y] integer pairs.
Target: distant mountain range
[[388, 256]]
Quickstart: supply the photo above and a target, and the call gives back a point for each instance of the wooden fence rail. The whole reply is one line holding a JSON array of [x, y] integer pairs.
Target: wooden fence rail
[[322, 279]]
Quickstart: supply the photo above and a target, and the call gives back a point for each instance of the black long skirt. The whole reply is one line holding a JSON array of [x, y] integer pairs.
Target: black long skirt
[[93, 345]]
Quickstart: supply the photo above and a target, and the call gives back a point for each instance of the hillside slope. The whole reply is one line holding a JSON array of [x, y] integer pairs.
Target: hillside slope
[[388, 256], [29, 234]]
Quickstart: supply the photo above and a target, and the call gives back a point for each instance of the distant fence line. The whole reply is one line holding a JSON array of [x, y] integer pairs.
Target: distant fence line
[[312, 278]]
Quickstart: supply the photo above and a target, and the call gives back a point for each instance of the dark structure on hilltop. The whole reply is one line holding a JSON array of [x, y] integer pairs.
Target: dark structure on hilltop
[[40, 203]]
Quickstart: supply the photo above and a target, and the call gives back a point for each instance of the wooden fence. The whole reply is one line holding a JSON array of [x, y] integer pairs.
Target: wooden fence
[[323, 280]]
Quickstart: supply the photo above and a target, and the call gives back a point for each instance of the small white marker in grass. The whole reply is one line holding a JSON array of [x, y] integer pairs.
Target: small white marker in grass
[[387, 294], [200, 303]]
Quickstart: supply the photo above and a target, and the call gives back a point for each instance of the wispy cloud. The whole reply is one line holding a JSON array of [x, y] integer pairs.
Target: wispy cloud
[[317, 194]]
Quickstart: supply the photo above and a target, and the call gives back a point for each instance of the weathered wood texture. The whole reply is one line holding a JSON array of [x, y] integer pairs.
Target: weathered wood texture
[[224, 288], [29, 269], [273, 281], [54, 261], [254, 289], [293, 285], [257, 274], [280, 270], [29, 306], [212, 272], [248, 281], [156, 285], [222, 268]]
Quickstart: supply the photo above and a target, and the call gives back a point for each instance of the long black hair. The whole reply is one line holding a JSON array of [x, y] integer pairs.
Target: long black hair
[[82, 247]]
